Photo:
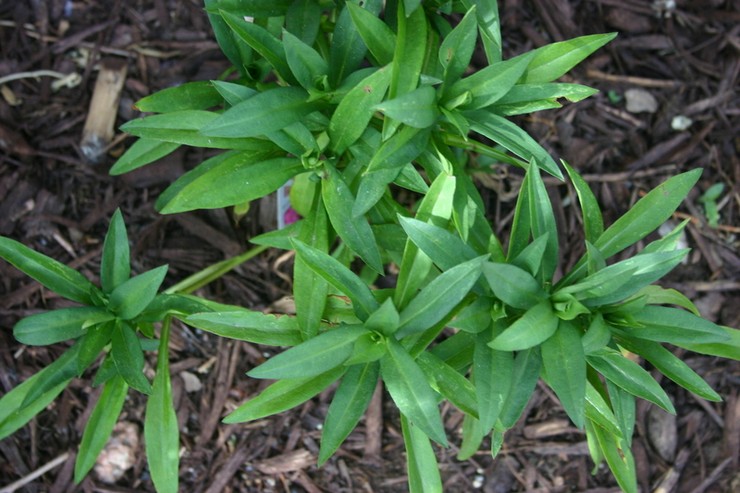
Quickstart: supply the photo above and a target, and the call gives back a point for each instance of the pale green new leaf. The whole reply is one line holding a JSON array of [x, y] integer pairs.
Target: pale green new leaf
[[533, 328], [450, 384], [444, 248], [512, 285], [554, 60], [618, 456], [131, 297], [115, 265]]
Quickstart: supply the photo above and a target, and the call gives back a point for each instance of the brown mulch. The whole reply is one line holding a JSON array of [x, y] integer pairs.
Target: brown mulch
[[684, 57]]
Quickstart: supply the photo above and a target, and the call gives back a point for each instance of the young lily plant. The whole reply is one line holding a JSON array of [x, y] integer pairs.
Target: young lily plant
[[369, 107]]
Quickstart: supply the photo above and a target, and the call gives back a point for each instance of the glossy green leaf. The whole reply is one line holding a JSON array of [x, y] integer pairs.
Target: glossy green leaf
[[450, 384], [472, 437], [629, 376], [513, 138], [599, 412], [183, 127], [417, 108], [530, 258], [377, 36], [351, 117], [128, 357], [141, 153], [261, 41], [61, 370], [317, 355], [100, 426], [410, 391], [489, 25], [618, 456], [303, 19], [521, 227], [542, 221], [368, 348], [533, 328], [565, 365], [251, 326], [92, 344], [199, 95], [340, 277], [488, 85], [593, 223], [553, 60], [46, 328], [528, 98], [437, 299], [512, 285], [161, 432], [597, 336], [50, 273], [261, 114], [445, 249], [421, 463], [347, 48], [232, 92], [729, 349], [305, 63], [493, 372], [525, 374], [283, 395], [131, 297], [239, 178], [674, 325], [385, 319], [624, 405], [115, 265], [457, 47], [355, 232], [236, 50], [347, 407]]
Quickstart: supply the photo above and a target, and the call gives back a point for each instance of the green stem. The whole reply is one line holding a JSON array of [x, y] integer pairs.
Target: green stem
[[213, 272]]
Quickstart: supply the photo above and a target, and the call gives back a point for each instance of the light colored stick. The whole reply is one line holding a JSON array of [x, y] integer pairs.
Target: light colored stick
[[101, 117], [35, 474]]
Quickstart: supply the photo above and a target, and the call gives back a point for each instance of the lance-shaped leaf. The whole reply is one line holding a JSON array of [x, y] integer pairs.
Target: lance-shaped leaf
[[251, 326], [261, 114], [493, 372], [599, 412], [141, 153], [445, 249], [128, 358], [261, 41], [61, 370], [514, 286], [671, 366], [340, 277], [618, 456], [303, 19], [436, 301], [528, 98], [513, 138], [377, 36], [450, 384], [526, 371], [593, 223], [410, 391], [675, 326], [283, 395], [417, 108], [198, 95], [239, 178], [309, 288], [99, 426], [161, 432], [457, 48], [115, 265], [533, 328], [565, 366], [355, 232], [347, 407], [305, 63], [58, 325], [489, 25], [553, 60], [488, 85], [133, 296], [542, 221], [351, 117], [316, 355], [421, 463], [629, 376], [52, 274], [347, 48]]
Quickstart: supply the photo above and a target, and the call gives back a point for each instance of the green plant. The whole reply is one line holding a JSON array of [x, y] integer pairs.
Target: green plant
[[352, 106]]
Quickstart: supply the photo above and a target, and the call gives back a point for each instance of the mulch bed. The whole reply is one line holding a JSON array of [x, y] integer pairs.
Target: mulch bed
[[680, 58]]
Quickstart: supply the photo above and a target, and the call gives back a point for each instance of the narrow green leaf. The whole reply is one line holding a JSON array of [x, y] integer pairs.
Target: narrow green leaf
[[50, 273], [58, 325], [305, 63], [347, 47], [199, 95], [675, 326], [377, 36], [283, 395], [457, 47], [251, 326], [417, 108], [450, 384], [445, 249], [512, 285], [625, 409], [618, 456], [437, 300], [317, 355], [161, 433], [600, 413], [597, 336], [385, 319], [115, 265], [729, 349], [528, 98], [530, 258], [472, 437], [340, 277], [131, 298], [236, 50], [593, 223], [232, 92], [347, 407], [261, 114], [92, 344], [99, 426], [355, 232], [489, 25], [351, 117], [410, 391], [421, 463], [565, 366], [61, 370], [141, 153], [533, 328], [525, 374], [303, 19], [542, 221], [629, 376], [553, 60], [128, 358]]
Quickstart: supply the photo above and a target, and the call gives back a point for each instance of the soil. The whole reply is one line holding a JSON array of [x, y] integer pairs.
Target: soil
[[680, 59]]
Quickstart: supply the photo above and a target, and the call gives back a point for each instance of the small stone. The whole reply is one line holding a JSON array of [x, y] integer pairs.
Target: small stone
[[640, 101], [680, 123], [119, 454], [191, 382]]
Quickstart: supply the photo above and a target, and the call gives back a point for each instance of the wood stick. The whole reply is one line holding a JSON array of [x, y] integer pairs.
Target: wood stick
[[101, 117]]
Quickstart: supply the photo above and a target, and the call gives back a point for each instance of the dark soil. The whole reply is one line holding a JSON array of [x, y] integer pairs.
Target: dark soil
[[51, 198]]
